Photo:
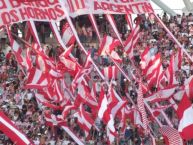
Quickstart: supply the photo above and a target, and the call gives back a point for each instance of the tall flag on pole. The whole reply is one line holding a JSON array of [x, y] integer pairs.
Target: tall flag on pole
[[132, 40]]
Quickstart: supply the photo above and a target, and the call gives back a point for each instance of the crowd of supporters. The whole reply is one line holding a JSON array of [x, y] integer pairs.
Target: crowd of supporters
[[21, 106]]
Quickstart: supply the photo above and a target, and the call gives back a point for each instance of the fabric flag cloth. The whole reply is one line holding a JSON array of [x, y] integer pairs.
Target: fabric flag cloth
[[108, 44], [11, 131], [164, 94], [104, 112], [37, 79], [17, 50], [110, 72], [131, 41], [170, 72], [67, 35], [189, 86], [146, 56], [184, 112], [115, 57], [53, 120], [45, 102], [111, 20], [94, 24], [141, 107], [171, 135], [129, 21]]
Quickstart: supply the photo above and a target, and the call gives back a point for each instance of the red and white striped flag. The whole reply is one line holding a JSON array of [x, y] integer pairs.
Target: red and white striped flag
[[171, 136], [115, 57], [178, 59], [28, 59], [111, 20], [108, 44], [163, 94], [84, 96], [104, 112], [40, 98], [17, 50], [94, 24], [146, 56], [131, 41], [141, 107], [67, 35], [11, 131], [129, 21], [110, 72], [189, 87], [170, 72], [37, 79], [184, 112], [75, 5], [53, 120]]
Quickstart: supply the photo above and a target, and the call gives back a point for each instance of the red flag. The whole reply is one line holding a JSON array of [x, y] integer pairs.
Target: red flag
[[131, 41], [37, 79], [67, 35], [108, 44], [184, 112], [110, 72], [11, 131]]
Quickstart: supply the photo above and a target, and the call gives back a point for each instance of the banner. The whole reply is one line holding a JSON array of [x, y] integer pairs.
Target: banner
[[80, 7], [13, 11]]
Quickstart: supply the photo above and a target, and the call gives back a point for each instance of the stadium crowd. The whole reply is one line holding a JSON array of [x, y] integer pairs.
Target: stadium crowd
[[21, 106]]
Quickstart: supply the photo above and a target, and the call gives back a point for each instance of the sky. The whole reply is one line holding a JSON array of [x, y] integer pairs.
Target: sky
[[173, 4]]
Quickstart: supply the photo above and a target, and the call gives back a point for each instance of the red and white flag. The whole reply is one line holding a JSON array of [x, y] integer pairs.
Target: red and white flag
[[115, 57], [104, 112], [94, 24], [68, 64], [141, 107], [129, 21], [53, 120], [178, 59], [189, 87], [11, 131], [28, 59], [170, 72], [146, 56], [85, 119], [76, 5], [37, 79], [111, 20], [171, 136], [151, 69], [67, 110], [17, 50], [84, 96], [45, 102], [84, 71], [110, 72], [164, 94], [107, 46], [184, 112], [67, 35], [131, 41]]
